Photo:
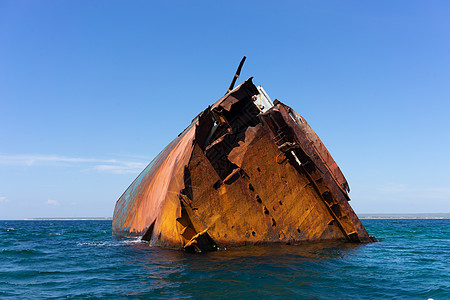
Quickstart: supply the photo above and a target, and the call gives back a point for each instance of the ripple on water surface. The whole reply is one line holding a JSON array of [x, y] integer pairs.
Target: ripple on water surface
[[56, 259]]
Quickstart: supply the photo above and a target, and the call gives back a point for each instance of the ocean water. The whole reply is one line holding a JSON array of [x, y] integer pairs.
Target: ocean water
[[80, 259]]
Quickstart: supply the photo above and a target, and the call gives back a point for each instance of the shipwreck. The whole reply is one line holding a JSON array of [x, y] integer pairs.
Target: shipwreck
[[247, 170]]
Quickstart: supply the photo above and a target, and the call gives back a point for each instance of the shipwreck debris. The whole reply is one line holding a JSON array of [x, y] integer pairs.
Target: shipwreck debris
[[247, 170]]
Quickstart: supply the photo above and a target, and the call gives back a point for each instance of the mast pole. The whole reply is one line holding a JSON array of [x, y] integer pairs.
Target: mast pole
[[236, 76]]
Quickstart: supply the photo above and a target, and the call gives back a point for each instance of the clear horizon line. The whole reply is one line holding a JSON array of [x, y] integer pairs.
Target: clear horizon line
[[360, 215]]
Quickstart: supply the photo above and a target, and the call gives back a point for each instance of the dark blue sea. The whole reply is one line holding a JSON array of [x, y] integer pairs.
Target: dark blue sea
[[80, 259]]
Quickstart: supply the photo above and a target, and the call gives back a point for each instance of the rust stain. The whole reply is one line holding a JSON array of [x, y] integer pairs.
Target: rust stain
[[244, 172]]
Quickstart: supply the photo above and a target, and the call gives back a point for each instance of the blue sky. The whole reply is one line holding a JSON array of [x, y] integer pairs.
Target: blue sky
[[91, 91]]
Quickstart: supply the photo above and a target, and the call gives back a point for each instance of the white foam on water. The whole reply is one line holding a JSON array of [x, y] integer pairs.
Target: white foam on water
[[111, 243], [134, 241]]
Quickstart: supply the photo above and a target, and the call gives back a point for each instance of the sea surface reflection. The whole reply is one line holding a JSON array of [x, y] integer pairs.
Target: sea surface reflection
[[81, 259], [261, 271]]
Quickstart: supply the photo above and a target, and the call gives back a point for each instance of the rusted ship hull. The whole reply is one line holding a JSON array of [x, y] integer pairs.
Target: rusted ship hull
[[246, 171]]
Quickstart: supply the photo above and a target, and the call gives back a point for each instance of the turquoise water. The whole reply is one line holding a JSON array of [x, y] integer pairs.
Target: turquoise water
[[80, 259]]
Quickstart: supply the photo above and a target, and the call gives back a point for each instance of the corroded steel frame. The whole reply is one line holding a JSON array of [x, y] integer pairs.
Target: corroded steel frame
[[237, 176]]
